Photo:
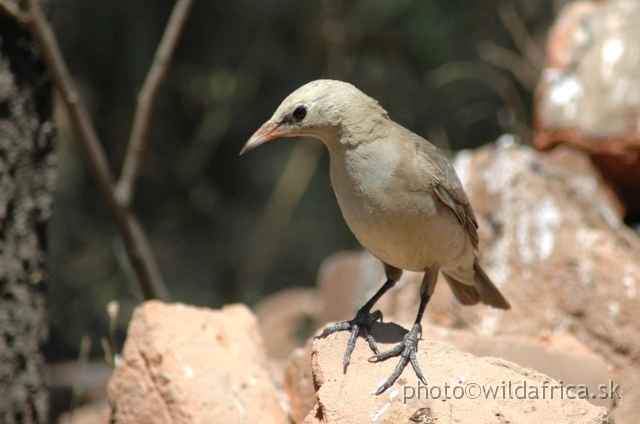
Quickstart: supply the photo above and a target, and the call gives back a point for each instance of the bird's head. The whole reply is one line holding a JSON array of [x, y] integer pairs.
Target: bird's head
[[323, 109]]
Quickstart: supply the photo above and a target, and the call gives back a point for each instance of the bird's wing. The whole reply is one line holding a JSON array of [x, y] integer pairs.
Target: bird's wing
[[448, 187]]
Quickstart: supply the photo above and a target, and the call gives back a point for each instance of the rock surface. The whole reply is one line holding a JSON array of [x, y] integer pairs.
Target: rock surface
[[589, 94], [562, 358], [567, 263], [461, 387], [299, 382], [286, 319], [183, 364]]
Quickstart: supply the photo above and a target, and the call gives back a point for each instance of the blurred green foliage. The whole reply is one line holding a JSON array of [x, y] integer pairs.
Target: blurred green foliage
[[236, 61]]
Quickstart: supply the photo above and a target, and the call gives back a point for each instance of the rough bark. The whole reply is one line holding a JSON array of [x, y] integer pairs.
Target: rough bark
[[27, 178]]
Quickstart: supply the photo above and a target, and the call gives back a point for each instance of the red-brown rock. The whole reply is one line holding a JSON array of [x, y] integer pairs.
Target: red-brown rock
[[589, 94], [299, 383], [458, 387], [561, 357], [287, 318], [183, 364], [552, 241]]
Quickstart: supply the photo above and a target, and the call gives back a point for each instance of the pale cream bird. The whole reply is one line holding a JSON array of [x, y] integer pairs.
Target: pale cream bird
[[400, 196]]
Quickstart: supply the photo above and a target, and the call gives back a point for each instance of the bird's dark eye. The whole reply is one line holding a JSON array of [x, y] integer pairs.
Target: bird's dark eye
[[300, 113]]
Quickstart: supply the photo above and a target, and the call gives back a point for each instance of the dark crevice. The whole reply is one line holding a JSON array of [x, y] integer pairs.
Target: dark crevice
[[5, 110], [26, 265], [19, 417], [9, 339], [41, 233], [7, 295], [44, 142], [6, 219], [21, 362]]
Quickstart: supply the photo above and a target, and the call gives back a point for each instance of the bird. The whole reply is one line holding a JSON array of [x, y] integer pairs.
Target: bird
[[401, 198]]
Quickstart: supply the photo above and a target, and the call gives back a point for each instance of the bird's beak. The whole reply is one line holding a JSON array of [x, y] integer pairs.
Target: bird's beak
[[267, 132]]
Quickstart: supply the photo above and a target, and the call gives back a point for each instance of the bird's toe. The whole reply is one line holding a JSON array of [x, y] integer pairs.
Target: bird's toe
[[408, 351]]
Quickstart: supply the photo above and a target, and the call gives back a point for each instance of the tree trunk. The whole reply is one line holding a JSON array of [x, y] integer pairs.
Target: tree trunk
[[27, 179]]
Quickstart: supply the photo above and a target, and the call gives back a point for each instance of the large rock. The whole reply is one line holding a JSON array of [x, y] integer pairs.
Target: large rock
[[183, 364], [589, 91], [461, 387], [552, 241], [561, 357]]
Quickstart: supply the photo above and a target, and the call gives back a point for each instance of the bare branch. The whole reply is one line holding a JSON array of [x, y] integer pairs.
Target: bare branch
[[161, 62], [520, 36], [511, 61], [135, 242], [492, 78], [13, 10]]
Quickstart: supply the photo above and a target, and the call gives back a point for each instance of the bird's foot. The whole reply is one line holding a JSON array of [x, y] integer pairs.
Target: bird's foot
[[362, 320], [408, 353]]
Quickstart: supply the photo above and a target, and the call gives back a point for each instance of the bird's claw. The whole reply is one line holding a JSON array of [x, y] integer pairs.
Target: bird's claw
[[407, 350], [362, 320]]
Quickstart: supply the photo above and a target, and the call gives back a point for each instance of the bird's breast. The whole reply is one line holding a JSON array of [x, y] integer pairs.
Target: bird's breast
[[403, 226]]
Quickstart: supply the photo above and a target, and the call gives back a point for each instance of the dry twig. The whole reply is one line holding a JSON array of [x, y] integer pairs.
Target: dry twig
[[134, 239], [146, 97], [520, 36], [13, 10], [511, 61], [492, 78]]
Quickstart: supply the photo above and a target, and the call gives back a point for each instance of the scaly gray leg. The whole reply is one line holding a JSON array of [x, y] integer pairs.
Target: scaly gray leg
[[364, 317], [408, 348]]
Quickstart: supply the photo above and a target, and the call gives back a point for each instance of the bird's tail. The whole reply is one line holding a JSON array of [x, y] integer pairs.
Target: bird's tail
[[489, 294], [482, 291]]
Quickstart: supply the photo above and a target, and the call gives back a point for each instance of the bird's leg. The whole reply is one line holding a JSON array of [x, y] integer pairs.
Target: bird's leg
[[408, 348], [364, 317]]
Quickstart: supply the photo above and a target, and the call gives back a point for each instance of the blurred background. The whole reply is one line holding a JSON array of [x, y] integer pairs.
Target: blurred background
[[459, 72]]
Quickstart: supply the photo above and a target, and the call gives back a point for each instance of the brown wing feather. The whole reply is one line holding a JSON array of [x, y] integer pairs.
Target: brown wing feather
[[449, 188]]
